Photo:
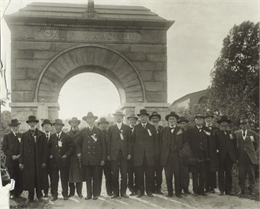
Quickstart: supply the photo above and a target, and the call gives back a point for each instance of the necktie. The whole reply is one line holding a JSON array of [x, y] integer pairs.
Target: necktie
[[143, 125], [172, 129], [244, 133]]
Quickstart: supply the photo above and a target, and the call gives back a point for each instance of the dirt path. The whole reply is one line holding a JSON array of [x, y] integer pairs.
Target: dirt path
[[157, 202]]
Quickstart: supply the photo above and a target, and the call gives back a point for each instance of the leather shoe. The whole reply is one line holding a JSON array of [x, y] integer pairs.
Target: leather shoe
[[114, 196], [140, 195], [229, 193], [195, 194], [150, 195], [132, 194], [169, 195], [221, 193], [203, 194], [71, 195], [125, 196], [110, 194], [178, 195], [95, 198], [160, 192], [87, 198], [46, 196], [65, 198], [54, 198]]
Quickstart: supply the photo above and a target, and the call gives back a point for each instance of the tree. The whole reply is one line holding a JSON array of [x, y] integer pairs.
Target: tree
[[235, 77]]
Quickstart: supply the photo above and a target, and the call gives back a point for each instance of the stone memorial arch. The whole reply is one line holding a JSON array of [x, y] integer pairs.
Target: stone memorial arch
[[51, 42]]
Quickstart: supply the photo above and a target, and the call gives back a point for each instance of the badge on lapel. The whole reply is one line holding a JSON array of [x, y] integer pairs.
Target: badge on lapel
[[179, 132], [121, 135], [149, 132], [207, 133], [94, 137], [59, 143]]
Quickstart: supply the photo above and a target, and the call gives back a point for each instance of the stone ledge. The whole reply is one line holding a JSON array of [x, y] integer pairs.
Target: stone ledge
[[32, 104]]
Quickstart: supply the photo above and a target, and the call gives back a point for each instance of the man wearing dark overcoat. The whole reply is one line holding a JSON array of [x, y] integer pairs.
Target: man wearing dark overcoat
[[119, 151], [184, 168], [61, 148], [33, 159], [11, 148], [103, 123], [132, 181], [198, 142], [75, 172], [212, 165], [247, 146], [225, 145], [145, 153], [155, 118], [172, 139], [47, 128], [91, 150]]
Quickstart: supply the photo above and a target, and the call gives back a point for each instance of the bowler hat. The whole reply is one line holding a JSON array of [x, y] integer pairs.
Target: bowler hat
[[103, 120], [243, 121], [46, 121], [32, 118], [199, 115], [74, 119], [132, 115], [172, 114], [155, 114], [58, 122], [209, 114], [90, 115], [14, 122], [182, 119], [224, 118], [118, 112], [143, 112]]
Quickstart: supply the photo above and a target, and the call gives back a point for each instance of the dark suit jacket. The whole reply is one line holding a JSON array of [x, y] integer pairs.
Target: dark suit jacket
[[225, 145], [32, 156], [11, 146], [249, 145], [115, 143], [57, 152], [194, 138], [166, 142], [92, 152], [144, 144], [214, 164]]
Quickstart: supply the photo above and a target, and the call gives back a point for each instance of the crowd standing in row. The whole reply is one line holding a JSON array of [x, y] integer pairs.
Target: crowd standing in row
[[139, 151]]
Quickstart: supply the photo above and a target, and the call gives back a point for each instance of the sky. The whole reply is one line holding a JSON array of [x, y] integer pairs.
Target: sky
[[194, 42]]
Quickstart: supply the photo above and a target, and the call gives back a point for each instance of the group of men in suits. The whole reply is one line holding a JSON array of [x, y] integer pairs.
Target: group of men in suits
[[140, 151]]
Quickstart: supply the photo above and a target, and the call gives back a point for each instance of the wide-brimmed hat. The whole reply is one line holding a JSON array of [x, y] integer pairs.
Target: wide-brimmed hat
[[118, 112], [243, 121], [32, 118], [14, 122], [46, 121], [58, 122], [183, 119], [143, 112], [209, 114], [103, 120], [199, 115], [90, 115], [224, 118], [132, 115], [155, 114], [172, 114], [74, 119]]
